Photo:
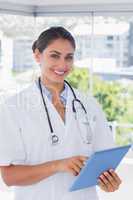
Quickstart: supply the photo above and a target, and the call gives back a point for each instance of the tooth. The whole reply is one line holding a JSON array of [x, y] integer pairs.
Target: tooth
[[59, 72]]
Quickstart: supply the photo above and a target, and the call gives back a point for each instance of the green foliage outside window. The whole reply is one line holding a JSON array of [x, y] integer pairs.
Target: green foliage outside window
[[116, 99]]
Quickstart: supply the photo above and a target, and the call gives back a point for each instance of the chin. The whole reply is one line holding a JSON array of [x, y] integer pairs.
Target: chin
[[58, 80]]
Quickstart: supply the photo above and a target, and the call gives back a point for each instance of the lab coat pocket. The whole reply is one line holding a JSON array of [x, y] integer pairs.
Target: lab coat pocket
[[85, 129], [84, 126]]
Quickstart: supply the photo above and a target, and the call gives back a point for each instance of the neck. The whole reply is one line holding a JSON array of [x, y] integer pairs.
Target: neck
[[53, 87]]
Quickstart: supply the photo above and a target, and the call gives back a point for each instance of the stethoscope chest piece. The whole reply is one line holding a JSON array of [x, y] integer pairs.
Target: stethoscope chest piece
[[54, 139]]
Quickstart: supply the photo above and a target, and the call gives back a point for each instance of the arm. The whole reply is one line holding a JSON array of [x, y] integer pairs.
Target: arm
[[21, 175], [26, 175]]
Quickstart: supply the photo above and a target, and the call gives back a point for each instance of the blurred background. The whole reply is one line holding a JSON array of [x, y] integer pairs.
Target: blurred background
[[103, 64]]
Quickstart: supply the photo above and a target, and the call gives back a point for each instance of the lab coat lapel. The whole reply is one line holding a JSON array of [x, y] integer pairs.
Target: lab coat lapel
[[56, 121], [69, 111], [54, 113], [60, 128]]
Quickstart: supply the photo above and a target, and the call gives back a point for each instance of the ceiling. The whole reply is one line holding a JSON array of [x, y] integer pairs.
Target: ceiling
[[65, 2], [54, 7]]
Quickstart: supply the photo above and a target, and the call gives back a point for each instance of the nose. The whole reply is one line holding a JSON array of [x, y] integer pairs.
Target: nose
[[62, 63]]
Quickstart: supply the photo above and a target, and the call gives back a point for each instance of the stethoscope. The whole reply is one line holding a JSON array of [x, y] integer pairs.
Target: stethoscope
[[55, 138]]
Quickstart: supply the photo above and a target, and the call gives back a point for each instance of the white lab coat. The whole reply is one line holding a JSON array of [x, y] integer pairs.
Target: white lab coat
[[25, 139]]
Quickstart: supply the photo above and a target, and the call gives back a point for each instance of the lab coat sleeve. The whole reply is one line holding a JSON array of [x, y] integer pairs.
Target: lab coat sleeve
[[11, 143], [102, 134]]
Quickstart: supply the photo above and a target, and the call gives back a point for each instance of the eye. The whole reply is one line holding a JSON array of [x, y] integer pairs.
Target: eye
[[69, 58], [54, 56]]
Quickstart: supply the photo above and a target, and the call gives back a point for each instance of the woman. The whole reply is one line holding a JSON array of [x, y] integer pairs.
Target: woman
[[43, 142]]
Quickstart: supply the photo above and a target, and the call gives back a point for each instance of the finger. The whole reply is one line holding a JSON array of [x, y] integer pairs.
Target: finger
[[102, 185], [116, 177], [83, 158], [107, 183], [73, 172], [79, 163], [75, 168], [111, 179]]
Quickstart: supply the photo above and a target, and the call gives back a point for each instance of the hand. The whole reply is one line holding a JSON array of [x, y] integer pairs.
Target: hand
[[72, 165], [109, 181]]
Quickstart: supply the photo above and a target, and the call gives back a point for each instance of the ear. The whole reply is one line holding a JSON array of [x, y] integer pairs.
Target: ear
[[37, 56]]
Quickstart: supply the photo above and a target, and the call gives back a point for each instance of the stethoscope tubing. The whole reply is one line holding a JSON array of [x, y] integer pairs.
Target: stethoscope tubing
[[54, 137]]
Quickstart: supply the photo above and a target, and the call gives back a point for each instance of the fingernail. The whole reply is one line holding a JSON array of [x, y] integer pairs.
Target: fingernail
[[111, 170], [101, 176], [84, 163]]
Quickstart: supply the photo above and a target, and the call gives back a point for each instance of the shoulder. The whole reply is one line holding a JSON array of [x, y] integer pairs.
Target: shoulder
[[90, 103], [87, 98]]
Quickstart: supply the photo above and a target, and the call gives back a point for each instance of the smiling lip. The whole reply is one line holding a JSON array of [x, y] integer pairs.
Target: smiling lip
[[59, 72]]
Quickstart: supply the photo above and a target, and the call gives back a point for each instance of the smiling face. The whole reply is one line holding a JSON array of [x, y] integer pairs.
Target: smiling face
[[56, 60]]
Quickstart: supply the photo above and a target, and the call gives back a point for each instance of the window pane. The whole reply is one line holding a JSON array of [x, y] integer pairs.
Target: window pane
[[113, 71], [16, 60]]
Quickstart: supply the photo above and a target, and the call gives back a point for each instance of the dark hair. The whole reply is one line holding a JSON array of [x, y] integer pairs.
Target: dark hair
[[51, 34]]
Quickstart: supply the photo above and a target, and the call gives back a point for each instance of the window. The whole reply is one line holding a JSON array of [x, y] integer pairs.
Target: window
[[110, 46], [112, 72], [105, 49], [110, 37]]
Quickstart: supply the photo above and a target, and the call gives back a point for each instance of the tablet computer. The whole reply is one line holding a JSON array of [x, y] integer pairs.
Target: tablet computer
[[98, 163]]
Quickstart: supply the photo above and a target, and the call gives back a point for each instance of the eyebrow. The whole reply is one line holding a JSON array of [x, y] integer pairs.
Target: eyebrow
[[57, 52]]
